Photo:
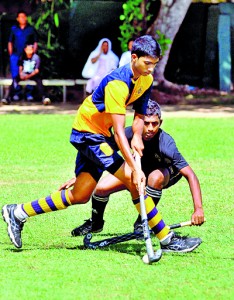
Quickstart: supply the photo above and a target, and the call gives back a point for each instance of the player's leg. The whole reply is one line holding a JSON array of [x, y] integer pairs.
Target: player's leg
[[15, 215], [106, 186], [156, 180], [169, 241], [88, 172], [154, 217]]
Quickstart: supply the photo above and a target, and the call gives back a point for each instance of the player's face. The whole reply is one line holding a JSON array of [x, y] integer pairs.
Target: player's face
[[151, 127], [22, 19], [143, 66]]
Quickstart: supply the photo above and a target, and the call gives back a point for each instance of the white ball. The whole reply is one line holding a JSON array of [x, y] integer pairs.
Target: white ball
[[145, 259]]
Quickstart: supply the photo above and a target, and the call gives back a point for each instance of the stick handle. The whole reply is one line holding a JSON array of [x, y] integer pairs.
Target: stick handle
[[138, 162], [182, 224], [144, 220]]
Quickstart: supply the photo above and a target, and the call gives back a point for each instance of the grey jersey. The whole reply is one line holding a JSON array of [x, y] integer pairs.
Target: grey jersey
[[160, 152]]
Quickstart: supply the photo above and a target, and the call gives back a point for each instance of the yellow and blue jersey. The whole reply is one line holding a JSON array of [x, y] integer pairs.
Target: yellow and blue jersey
[[116, 91]]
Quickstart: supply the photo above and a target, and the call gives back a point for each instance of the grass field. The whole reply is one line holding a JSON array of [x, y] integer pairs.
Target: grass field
[[36, 157]]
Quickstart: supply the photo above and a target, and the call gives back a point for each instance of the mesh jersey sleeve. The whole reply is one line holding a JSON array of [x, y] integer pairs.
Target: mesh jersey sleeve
[[169, 150]]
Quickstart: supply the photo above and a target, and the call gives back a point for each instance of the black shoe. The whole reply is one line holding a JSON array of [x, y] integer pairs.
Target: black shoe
[[138, 225], [15, 226], [181, 244], [88, 227]]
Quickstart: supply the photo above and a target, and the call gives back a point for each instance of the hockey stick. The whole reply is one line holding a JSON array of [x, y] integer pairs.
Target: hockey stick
[[152, 256], [123, 238]]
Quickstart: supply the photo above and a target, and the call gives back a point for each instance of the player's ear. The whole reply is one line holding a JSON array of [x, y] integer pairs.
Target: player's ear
[[134, 56], [161, 120]]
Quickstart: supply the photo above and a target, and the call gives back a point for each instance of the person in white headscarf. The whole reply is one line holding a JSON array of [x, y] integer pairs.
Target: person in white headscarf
[[100, 62]]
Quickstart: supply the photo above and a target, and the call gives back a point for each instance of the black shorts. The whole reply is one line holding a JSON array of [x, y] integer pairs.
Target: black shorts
[[175, 176]]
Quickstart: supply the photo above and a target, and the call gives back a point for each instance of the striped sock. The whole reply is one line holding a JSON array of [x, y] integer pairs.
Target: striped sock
[[155, 220], [56, 201], [154, 193]]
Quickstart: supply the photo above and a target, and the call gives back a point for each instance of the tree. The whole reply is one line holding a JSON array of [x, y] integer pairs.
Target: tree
[[168, 22], [164, 28], [46, 21]]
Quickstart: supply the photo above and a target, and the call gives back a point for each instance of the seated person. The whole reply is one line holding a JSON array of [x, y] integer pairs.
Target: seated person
[[29, 69], [126, 56], [100, 62]]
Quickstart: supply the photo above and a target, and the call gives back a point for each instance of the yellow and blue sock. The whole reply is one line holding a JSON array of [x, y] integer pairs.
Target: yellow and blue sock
[[155, 220], [56, 201]]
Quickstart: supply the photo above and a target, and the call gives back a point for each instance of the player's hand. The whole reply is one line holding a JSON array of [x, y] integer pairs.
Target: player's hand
[[198, 217], [138, 178], [67, 184]]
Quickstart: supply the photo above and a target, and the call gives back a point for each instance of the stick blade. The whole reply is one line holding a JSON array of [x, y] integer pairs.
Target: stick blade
[[155, 258]]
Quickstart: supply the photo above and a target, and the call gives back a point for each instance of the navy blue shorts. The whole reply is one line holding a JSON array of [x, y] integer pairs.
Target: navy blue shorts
[[96, 153]]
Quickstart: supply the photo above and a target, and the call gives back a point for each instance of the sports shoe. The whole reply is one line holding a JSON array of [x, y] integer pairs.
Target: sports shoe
[[138, 225], [181, 243], [15, 226], [46, 101], [16, 98], [29, 98], [88, 227], [5, 101]]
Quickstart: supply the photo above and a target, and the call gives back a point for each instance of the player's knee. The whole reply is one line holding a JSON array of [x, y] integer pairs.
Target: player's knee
[[156, 179], [77, 198], [101, 190]]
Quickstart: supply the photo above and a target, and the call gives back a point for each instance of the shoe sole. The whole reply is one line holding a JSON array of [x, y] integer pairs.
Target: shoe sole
[[6, 219], [183, 251], [98, 230]]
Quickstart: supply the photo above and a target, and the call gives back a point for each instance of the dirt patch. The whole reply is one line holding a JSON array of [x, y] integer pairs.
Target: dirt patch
[[202, 103]]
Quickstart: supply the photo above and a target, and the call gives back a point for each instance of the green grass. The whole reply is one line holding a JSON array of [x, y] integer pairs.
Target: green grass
[[36, 157]]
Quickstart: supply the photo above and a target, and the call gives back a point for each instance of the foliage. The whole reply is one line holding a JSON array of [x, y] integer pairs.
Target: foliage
[[136, 17], [36, 158], [46, 21], [130, 18]]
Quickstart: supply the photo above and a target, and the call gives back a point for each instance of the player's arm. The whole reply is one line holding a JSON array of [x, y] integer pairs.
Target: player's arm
[[122, 142], [194, 185], [137, 128]]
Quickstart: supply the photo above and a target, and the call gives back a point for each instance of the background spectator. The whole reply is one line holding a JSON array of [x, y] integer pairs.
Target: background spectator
[[126, 56], [20, 34], [100, 62], [29, 68]]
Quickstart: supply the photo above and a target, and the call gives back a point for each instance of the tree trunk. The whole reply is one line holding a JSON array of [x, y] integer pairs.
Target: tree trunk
[[168, 21]]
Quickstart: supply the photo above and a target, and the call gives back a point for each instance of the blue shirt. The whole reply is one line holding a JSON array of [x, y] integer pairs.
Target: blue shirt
[[19, 37]]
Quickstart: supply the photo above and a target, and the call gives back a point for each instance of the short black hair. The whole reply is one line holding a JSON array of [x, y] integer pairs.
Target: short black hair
[[21, 12], [153, 109], [146, 45]]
